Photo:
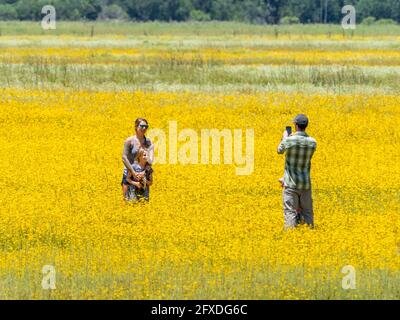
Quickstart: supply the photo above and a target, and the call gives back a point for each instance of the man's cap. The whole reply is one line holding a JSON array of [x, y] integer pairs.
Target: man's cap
[[301, 120]]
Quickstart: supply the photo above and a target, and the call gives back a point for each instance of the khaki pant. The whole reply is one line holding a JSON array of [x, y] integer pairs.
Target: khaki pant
[[294, 199]]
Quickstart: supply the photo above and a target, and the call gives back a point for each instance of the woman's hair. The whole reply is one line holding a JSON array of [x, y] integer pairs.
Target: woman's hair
[[147, 142], [139, 120]]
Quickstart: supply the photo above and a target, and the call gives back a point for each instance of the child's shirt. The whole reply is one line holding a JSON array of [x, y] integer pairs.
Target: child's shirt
[[148, 171]]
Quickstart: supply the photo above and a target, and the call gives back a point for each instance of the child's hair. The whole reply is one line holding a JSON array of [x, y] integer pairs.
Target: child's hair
[[139, 153]]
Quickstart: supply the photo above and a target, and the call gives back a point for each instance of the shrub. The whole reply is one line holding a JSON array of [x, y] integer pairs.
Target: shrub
[[368, 21], [290, 20], [113, 12], [8, 12], [199, 15], [385, 21]]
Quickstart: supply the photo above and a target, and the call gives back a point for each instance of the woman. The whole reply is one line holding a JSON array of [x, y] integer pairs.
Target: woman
[[131, 147]]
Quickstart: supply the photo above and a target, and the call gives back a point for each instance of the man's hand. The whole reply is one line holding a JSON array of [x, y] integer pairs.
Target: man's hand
[[285, 134]]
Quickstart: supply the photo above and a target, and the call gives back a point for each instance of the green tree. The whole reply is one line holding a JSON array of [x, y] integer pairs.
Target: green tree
[[112, 12], [252, 11], [8, 12], [222, 10], [389, 9], [306, 10], [256, 11]]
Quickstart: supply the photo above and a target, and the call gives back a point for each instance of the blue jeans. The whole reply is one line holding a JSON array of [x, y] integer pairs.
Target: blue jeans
[[136, 194]]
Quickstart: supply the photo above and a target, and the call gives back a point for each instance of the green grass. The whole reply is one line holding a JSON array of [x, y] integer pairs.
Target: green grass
[[176, 72], [24, 28], [166, 75], [171, 282], [116, 72]]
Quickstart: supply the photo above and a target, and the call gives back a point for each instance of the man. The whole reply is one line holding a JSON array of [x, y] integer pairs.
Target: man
[[299, 148]]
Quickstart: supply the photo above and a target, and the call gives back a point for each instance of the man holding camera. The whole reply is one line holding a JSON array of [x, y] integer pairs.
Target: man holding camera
[[299, 148]]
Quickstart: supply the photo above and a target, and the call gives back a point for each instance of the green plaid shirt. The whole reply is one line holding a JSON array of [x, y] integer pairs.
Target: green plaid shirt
[[299, 149]]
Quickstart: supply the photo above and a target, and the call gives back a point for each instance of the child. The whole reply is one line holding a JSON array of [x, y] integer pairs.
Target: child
[[299, 217], [139, 188]]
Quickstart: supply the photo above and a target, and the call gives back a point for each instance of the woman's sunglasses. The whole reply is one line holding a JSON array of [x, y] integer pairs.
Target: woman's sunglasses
[[143, 126]]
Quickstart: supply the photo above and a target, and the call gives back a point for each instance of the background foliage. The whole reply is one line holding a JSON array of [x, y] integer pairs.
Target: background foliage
[[255, 11]]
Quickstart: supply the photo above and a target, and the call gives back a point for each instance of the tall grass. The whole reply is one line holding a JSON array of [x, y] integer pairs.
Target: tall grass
[[18, 28], [43, 73]]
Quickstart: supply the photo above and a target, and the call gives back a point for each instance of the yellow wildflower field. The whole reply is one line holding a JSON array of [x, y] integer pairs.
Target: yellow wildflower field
[[230, 56], [207, 233]]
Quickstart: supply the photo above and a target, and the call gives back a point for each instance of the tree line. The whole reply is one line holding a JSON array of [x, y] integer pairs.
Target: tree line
[[254, 11]]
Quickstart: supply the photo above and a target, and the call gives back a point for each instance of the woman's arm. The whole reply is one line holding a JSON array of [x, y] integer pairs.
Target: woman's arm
[[133, 182], [125, 160], [125, 152], [129, 179]]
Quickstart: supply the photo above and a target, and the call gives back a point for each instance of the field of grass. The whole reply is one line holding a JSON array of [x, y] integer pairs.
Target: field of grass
[[68, 100], [18, 28], [193, 56]]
